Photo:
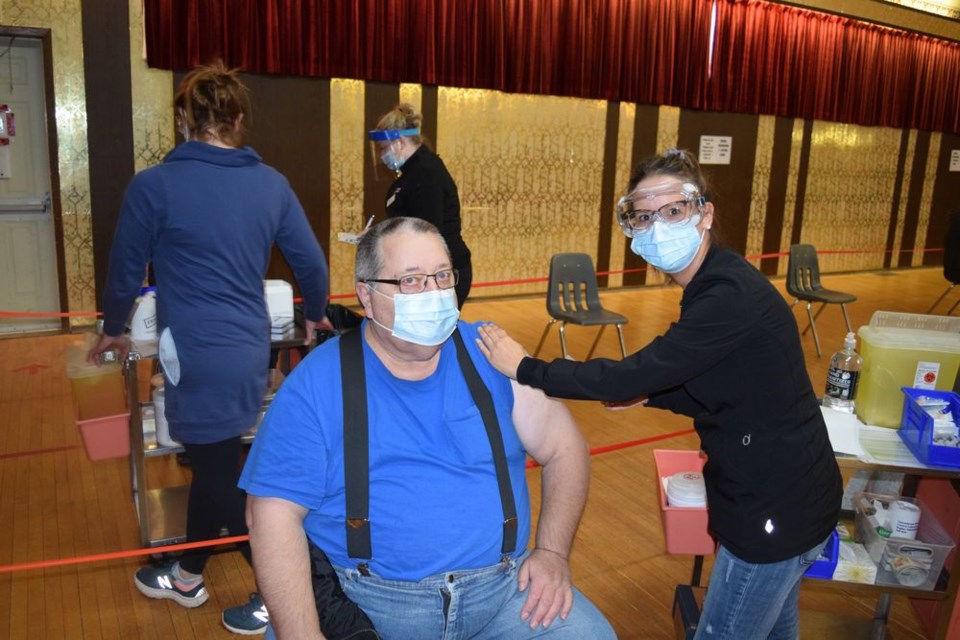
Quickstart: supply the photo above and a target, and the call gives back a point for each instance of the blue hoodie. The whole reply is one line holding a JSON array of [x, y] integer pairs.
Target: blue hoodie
[[207, 218]]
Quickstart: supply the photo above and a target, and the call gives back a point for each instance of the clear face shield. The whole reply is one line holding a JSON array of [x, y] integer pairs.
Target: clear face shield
[[636, 214], [386, 148]]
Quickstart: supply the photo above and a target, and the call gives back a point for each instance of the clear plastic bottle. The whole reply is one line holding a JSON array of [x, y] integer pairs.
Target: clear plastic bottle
[[843, 376]]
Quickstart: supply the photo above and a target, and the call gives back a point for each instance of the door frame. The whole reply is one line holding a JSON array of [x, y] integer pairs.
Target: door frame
[[49, 99]]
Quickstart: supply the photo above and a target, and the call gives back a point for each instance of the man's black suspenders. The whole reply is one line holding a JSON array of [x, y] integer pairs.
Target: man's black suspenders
[[356, 444]]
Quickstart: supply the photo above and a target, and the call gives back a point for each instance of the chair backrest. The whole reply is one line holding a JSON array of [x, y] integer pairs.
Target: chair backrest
[[803, 270], [573, 284]]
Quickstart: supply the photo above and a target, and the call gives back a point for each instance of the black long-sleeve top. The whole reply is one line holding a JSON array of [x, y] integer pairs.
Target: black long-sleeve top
[[733, 363], [426, 190]]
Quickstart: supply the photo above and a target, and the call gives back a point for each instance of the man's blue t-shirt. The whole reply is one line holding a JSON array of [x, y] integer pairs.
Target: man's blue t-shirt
[[434, 501]]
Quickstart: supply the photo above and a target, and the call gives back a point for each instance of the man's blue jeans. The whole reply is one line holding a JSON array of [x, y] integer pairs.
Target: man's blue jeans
[[755, 601], [478, 604]]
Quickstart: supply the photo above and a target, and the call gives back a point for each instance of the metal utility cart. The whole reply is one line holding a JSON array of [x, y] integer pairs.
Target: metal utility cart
[[162, 511]]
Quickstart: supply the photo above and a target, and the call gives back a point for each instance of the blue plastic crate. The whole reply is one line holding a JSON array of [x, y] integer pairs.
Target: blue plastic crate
[[824, 566], [916, 428]]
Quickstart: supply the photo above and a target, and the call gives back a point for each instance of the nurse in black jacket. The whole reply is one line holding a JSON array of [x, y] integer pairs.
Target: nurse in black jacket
[[734, 364], [423, 188]]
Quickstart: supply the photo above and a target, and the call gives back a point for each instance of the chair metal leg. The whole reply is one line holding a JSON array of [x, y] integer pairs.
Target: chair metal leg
[[942, 296], [843, 307], [816, 338], [563, 340], [623, 348], [596, 340], [543, 336], [815, 316]]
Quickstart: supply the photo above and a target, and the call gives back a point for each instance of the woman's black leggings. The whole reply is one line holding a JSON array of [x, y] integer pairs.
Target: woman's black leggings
[[216, 502]]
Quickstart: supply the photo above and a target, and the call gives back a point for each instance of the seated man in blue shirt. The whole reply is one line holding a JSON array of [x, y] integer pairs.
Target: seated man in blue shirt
[[439, 566]]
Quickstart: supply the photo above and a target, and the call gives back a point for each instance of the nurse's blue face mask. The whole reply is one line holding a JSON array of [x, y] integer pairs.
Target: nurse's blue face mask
[[666, 237]]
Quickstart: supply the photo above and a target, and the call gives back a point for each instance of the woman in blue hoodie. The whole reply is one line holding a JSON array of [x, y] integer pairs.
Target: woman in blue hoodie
[[206, 218]]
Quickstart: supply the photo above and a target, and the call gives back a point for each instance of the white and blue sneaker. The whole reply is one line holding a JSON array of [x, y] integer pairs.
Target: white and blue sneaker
[[249, 619], [165, 582]]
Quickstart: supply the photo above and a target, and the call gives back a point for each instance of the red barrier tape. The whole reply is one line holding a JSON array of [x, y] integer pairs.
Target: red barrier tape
[[495, 283], [118, 555], [34, 452]]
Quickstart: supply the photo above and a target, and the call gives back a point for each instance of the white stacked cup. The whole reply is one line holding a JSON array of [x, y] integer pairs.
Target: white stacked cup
[[904, 520], [686, 489]]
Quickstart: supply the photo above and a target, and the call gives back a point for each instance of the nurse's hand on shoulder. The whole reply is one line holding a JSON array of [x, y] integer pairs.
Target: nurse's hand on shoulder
[[503, 352]]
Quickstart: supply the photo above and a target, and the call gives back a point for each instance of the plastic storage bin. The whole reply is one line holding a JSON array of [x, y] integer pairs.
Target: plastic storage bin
[[106, 437], [100, 406], [904, 350], [916, 428], [684, 528], [824, 566], [902, 562]]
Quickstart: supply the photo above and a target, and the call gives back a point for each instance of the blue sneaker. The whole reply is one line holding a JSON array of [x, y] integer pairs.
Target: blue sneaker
[[249, 619], [165, 583]]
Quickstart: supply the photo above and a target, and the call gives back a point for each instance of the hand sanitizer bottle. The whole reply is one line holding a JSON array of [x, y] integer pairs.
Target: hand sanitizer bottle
[[843, 376]]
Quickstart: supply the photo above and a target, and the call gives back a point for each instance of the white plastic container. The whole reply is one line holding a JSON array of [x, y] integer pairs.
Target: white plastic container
[[160, 419], [279, 297], [143, 325], [686, 489]]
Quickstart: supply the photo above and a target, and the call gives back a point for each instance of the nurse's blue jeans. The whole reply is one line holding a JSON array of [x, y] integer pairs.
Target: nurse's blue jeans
[[754, 601], [478, 604]]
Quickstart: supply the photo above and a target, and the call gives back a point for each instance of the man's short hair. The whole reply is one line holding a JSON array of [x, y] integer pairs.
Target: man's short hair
[[369, 262]]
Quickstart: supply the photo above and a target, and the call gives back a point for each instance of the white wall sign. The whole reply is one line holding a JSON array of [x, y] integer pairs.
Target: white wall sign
[[955, 160], [715, 149]]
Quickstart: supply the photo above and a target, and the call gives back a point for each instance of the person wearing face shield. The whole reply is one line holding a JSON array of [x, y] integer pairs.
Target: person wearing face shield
[[423, 187], [732, 362], [448, 519]]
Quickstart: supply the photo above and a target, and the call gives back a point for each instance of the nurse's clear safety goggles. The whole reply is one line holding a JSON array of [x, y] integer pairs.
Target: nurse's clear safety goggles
[[383, 140], [635, 218]]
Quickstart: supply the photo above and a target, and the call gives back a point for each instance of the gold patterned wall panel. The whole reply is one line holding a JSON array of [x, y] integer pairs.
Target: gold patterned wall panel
[[926, 199], [625, 133], [152, 100], [849, 194], [412, 94], [529, 171], [348, 153], [63, 18], [761, 187]]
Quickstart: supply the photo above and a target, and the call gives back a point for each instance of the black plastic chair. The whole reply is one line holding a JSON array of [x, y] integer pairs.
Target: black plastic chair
[[951, 259], [803, 283], [573, 297]]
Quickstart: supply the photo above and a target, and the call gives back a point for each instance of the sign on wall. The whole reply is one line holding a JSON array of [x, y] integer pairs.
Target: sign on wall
[[715, 149], [955, 160]]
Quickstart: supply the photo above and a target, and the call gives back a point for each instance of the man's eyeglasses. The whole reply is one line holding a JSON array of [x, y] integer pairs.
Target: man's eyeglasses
[[417, 282], [642, 219]]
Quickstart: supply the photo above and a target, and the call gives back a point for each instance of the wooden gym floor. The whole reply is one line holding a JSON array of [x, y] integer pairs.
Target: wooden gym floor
[[55, 503]]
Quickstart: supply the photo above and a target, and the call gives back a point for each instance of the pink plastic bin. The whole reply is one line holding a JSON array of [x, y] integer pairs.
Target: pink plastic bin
[[684, 528], [106, 437]]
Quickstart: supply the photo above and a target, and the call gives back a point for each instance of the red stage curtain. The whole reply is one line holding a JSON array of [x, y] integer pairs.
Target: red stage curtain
[[767, 58]]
